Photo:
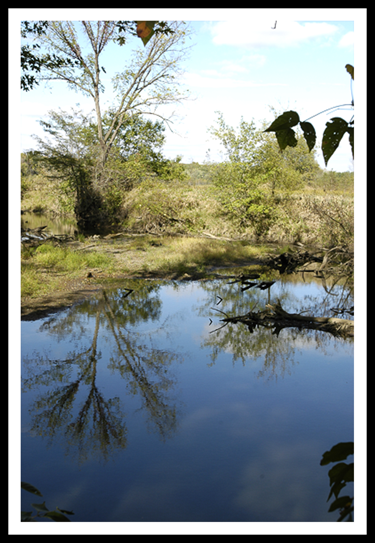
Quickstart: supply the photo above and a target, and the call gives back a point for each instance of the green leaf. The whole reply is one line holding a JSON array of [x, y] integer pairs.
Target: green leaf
[[346, 511], [27, 516], [31, 488], [336, 489], [341, 472], [333, 133], [284, 121], [350, 130], [340, 503], [65, 511], [56, 516], [285, 138], [309, 134], [338, 453]]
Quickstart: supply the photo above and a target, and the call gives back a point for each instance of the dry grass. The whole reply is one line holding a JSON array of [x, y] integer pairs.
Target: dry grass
[[189, 255], [175, 208], [162, 208], [317, 219]]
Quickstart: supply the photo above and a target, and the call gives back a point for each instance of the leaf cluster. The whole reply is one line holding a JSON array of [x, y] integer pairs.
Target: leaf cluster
[[339, 475], [143, 29], [31, 61], [335, 129], [59, 515]]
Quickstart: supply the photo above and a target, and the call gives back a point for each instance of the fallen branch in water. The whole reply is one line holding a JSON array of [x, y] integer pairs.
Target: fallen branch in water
[[33, 237], [274, 316]]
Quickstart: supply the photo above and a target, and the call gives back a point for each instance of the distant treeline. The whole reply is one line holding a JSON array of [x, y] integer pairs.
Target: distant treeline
[[200, 174]]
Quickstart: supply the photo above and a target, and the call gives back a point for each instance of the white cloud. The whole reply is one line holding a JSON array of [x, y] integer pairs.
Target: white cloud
[[347, 40], [228, 69], [259, 32]]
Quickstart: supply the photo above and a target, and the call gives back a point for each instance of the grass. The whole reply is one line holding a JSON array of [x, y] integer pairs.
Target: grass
[[181, 208], [175, 208], [198, 255], [49, 269]]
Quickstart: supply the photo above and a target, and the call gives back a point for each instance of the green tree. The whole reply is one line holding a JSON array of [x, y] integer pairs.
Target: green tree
[[254, 171], [69, 150], [287, 170], [151, 80], [141, 140], [31, 62]]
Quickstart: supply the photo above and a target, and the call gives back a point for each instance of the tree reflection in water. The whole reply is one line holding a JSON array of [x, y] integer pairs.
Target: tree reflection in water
[[278, 351], [71, 404]]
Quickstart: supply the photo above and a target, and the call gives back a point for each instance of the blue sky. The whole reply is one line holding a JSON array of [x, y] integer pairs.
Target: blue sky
[[238, 65]]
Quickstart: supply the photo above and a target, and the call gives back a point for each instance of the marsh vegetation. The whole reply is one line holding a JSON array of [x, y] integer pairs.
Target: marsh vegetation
[[172, 228]]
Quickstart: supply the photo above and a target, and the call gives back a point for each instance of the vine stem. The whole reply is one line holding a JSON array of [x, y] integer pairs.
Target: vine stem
[[324, 110]]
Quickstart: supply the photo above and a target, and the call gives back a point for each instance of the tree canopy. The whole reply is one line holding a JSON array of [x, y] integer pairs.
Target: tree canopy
[[151, 80]]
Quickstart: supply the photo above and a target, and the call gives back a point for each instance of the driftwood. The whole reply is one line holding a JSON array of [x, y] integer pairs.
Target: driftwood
[[275, 317]]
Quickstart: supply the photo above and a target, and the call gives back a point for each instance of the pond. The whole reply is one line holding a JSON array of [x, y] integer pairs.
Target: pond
[[55, 224], [139, 405]]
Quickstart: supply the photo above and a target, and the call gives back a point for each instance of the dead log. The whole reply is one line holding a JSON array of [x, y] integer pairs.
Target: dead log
[[275, 317]]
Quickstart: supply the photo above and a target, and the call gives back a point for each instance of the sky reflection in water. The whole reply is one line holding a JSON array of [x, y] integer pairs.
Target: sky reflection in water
[[133, 409]]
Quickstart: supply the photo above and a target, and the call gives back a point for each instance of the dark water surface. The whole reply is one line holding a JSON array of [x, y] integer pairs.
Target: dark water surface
[[132, 410]]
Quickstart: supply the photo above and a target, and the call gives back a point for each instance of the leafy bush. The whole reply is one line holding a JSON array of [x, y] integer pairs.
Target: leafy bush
[[255, 173], [242, 196]]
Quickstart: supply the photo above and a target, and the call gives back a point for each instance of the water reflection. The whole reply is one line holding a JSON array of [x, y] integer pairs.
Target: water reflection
[[134, 375], [74, 406], [278, 354], [57, 225]]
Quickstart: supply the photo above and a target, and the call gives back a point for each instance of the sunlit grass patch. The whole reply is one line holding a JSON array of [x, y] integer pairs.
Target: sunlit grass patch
[[62, 259], [43, 268], [187, 255]]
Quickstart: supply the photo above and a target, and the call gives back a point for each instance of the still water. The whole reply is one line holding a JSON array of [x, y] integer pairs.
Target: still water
[[137, 407], [55, 225]]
